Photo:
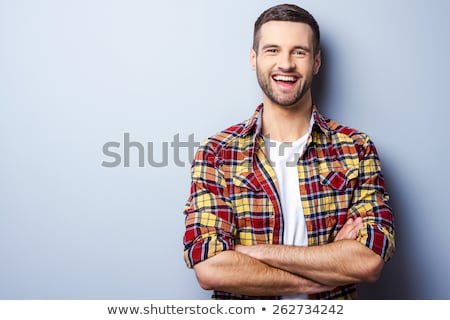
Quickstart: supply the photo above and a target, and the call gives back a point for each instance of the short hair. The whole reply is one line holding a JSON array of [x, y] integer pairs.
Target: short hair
[[287, 12]]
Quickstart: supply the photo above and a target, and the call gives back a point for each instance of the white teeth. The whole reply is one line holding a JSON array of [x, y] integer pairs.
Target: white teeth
[[285, 78]]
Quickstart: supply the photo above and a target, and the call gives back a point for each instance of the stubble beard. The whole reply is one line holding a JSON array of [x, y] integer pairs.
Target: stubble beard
[[284, 100]]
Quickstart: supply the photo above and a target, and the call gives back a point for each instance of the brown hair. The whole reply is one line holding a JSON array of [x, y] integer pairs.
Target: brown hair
[[287, 12]]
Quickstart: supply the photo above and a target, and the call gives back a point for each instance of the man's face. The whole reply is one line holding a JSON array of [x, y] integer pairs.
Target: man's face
[[285, 63]]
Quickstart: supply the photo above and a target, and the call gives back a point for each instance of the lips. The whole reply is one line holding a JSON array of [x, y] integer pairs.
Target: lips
[[285, 78], [285, 81]]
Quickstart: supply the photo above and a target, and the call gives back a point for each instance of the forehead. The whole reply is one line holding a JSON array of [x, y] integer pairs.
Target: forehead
[[286, 33]]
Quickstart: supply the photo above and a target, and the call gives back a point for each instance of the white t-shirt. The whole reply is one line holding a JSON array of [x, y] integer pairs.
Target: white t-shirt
[[284, 157]]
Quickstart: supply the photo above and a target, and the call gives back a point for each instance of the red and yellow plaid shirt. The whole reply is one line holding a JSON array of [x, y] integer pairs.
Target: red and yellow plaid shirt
[[234, 197]]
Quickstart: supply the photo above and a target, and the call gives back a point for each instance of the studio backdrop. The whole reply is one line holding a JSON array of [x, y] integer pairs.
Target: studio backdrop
[[104, 102]]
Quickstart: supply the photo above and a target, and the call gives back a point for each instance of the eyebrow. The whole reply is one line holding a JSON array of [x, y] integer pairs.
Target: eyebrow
[[295, 47]]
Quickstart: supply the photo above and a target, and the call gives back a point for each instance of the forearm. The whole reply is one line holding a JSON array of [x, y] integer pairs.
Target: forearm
[[338, 263], [233, 272]]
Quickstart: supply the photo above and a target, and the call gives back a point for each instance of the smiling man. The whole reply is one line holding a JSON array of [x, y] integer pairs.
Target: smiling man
[[288, 204]]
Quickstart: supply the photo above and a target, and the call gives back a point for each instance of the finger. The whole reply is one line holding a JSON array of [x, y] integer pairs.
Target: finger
[[359, 223]]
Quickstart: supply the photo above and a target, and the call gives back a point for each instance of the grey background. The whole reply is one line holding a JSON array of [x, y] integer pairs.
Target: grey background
[[75, 75]]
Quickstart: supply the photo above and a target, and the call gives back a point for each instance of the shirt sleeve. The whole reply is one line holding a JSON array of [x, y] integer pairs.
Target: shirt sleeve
[[209, 222], [370, 202]]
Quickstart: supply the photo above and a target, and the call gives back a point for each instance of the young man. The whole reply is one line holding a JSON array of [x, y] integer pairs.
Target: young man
[[288, 204]]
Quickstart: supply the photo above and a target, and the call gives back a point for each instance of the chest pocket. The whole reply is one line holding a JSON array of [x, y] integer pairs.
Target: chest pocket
[[247, 180], [336, 190], [338, 178], [253, 210], [334, 199]]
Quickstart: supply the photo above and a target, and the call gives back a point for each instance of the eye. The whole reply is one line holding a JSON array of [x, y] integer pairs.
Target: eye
[[299, 53], [271, 50]]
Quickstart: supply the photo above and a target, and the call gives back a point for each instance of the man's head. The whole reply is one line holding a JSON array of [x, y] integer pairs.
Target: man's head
[[286, 55], [287, 12]]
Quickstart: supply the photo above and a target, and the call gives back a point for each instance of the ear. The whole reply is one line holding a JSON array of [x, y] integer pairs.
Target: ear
[[253, 58], [317, 63]]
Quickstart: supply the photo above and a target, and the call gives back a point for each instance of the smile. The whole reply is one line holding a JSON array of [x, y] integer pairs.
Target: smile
[[285, 78], [285, 82]]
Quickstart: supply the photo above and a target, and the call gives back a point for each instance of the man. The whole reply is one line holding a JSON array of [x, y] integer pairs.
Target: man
[[288, 204]]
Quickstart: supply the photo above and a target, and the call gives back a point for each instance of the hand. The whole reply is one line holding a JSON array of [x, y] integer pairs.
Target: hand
[[349, 230]]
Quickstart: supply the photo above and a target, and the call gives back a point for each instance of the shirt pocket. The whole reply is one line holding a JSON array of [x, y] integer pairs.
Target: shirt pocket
[[252, 208], [246, 180], [338, 178], [334, 199]]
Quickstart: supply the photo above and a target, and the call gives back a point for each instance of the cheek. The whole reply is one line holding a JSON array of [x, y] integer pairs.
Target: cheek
[[265, 68], [265, 64], [307, 68], [260, 69]]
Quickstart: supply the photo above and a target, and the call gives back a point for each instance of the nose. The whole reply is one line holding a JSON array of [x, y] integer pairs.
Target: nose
[[286, 62]]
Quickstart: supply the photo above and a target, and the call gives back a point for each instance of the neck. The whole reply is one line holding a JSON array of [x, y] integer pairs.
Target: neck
[[286, 124]]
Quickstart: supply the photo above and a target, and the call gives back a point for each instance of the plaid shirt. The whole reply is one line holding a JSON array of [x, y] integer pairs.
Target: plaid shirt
[[234, 197]]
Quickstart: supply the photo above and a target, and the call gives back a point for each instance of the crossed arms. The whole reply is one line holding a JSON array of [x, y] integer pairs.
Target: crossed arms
[[263, 270], [356, 255]]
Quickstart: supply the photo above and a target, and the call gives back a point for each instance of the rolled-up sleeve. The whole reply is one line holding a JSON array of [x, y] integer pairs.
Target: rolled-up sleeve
[[209, 222], [370, 202]]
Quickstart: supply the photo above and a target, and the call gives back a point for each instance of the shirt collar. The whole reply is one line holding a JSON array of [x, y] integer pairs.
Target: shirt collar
[[320, 121], [253, 125]]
